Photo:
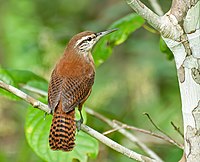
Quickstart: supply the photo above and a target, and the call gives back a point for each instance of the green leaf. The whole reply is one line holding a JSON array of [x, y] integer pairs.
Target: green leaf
[[24, 76], [7, 78], [37, 133], [29, 78], [13, 76], [166, 50], [126, 26], [16, 77]]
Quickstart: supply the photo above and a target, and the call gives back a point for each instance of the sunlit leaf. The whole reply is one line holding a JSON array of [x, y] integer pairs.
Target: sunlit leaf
[[125, 26], [37, 132]]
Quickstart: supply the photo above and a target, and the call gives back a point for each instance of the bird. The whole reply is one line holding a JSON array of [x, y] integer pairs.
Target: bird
[[70, 85]]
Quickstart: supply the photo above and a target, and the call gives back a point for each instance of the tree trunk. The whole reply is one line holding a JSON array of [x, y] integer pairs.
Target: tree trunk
[[186, 50], [180, 29]]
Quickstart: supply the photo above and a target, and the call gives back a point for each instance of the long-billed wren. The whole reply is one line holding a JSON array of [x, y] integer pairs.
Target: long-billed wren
[[70, 85]]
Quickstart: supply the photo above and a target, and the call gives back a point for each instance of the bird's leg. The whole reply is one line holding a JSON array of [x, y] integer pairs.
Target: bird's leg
[[80, 121]]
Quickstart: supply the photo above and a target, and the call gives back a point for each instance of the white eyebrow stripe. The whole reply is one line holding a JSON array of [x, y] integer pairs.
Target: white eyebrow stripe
[[80, 40]]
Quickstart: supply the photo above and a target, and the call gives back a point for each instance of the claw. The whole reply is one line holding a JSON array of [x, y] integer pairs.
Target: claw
[[78, 124]]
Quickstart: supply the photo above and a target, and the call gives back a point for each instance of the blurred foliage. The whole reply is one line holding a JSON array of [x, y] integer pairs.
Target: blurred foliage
[[136, 78]]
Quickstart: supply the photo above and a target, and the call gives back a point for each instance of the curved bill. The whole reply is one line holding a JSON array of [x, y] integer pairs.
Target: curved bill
[[101, 34]]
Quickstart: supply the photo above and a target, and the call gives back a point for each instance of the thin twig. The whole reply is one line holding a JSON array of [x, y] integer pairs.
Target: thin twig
[[160, 130], [117, 147], [124, 132], [177, 129], [165, 138], [111, 130], [35, 90], [156, 6], [152, 122]]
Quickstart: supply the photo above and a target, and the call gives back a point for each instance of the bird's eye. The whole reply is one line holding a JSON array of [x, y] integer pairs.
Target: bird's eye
[[89, 39]]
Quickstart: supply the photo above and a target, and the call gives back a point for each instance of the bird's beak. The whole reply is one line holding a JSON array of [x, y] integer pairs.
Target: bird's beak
[[103, 33]]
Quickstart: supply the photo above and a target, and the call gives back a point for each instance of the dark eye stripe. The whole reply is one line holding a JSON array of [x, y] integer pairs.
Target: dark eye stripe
[[89, 39]]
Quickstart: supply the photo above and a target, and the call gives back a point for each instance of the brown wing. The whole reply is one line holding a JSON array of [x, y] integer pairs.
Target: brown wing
[[54, 90], [75, 91], [70, 91]]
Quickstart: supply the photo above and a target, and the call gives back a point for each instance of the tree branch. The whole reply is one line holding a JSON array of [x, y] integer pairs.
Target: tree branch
[[152, 18], [165, 138], [115, 146], [119, 126], [167, 24], [127, 134], [160, 130], [112, 144], [114, 125], [35, 103]]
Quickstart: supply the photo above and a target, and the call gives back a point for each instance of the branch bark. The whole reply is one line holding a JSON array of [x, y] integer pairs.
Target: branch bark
[[110, 143]]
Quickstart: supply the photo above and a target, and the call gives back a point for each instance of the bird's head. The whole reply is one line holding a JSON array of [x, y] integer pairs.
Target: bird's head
[[85, 41]]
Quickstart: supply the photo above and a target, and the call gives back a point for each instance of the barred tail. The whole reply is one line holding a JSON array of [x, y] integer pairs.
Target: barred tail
[[63, 129]]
